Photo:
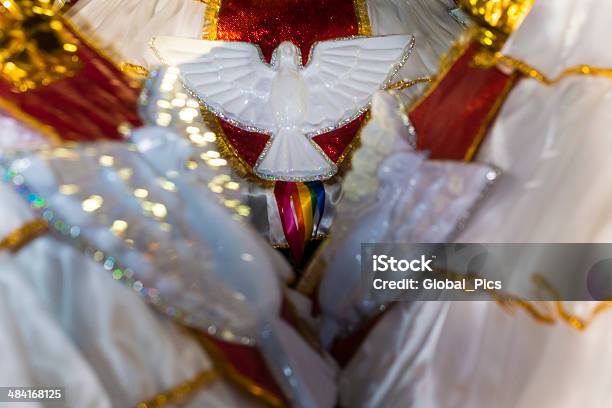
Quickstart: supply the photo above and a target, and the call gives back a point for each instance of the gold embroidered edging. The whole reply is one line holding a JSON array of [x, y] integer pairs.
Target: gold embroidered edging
[[181, 392], [23, 235]]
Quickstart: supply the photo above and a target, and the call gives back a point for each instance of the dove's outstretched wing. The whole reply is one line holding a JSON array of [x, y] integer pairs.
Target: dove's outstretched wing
[[229, 78], [342, 76]]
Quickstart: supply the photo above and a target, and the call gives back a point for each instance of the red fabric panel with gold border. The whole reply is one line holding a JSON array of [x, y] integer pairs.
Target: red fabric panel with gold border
[[455, 115]]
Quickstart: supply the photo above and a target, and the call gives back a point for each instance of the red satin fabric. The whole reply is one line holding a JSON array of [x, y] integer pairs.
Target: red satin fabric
[[449, 119], [270, 22], [89, 106]]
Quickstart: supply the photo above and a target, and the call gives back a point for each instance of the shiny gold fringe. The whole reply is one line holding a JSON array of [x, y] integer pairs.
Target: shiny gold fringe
[[182, 392], [23, 235]]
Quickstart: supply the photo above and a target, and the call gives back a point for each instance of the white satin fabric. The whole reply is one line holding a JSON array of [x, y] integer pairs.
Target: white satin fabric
[[418, 200], [552, 144], [429, 21], [120, 350], [66, 323], [127, 26]]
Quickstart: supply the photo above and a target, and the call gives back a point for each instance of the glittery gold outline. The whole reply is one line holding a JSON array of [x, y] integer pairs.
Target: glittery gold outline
[[490, 59]]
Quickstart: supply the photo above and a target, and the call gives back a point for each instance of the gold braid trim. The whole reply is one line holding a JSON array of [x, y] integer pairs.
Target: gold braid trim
[[405, 83], [487, 60], [544, 314], [181, 392], [243, 383], [548, 315], [23, 235], [573, 320]]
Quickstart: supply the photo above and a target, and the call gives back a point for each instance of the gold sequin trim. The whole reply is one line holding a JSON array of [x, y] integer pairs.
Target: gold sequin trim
[[363, 17], [23, 235], [496, 19], [182, 392], [211, 19]]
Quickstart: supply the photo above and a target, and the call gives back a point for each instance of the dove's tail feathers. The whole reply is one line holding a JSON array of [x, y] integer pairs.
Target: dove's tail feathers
[[291, 156]]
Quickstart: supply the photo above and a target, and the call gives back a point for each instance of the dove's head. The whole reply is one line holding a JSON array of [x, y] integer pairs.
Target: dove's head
[[287, 55]]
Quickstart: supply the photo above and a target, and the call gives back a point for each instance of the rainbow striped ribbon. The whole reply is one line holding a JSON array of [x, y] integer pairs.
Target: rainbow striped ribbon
[[301, 207]]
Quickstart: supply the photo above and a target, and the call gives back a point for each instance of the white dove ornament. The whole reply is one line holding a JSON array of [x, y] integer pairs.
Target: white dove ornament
[[289, 102]]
